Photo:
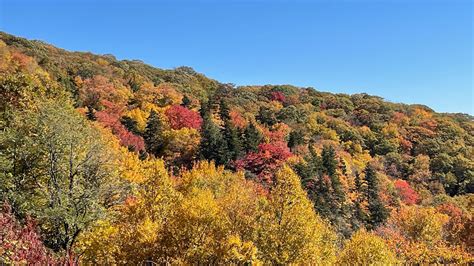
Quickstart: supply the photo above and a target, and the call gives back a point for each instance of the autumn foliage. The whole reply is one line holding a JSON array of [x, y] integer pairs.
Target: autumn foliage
[[278, 96], [113, 162], [407, 194], [180, 117], [264, 162], [21, 244], [365, 248], [127, 139]]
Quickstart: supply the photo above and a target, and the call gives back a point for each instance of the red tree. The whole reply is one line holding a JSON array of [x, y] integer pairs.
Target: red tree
[[266, 161], [180, 116], [278, 96], [20, 244], [127, 139], [407, 194]]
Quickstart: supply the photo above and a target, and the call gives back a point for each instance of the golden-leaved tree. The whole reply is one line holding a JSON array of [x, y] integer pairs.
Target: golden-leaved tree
[[216, 220], [365, 248], [289, 229], [133, 235], [208, 217], [417, 235], [211, 216]]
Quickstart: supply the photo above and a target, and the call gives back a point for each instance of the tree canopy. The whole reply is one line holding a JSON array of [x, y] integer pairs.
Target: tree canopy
[[107, 161]]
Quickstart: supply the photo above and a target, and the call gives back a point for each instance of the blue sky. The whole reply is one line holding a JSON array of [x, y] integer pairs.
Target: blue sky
[[404, 51]]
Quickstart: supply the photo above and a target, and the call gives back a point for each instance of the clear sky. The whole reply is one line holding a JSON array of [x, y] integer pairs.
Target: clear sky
[[405, 51]]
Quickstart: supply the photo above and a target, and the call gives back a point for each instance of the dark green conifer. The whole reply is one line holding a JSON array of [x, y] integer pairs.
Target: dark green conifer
[[232, 134], [90, 113], [329, 160], [224, 111], [377, 211], [213, 143], [153, 135], [233, 138], [316, 185], [359, 216], [130, 124], [296, 138], [186, 102], [330, 163], [252, 137]]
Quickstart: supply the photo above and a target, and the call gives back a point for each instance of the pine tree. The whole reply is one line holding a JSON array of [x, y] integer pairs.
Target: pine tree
[[329, 160], [338, 211], [295, 139], [330, 163], [130, 125], [377, 211], [231, 133], [315, 184], [153, 136], [186, 102], [233, 138], [224, 111], [213, 144], [252, 137], [309, 171], [90, 113], [322, 195], [205, 109], [359, 215]]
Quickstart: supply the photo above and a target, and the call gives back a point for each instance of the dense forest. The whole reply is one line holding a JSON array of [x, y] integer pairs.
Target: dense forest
[[107, 161]]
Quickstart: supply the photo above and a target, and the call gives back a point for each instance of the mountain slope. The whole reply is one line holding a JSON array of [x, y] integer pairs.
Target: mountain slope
[[101, 135]]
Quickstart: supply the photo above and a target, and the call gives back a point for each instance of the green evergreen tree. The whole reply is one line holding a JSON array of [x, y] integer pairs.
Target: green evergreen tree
[[130, 124], [359, 216], [313, 181], [339, 213], [186, 102], [233, 138], [224, 110], [153, 135], [252, 137], [296, 138], [232, 134], [90, 113], [330, 164], [377, 211], [329, 160], [322, 199], [309, 171], [213, 144], [205, 109]]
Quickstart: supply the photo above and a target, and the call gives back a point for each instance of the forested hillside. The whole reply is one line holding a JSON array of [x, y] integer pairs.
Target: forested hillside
[[116, 162]]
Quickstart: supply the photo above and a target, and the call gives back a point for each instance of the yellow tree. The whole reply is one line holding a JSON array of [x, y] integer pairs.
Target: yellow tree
[[136, 233], [417, 235], [289, 229], [366, 249], [215, 222], [182, 146], [208, 217], [196, 230], [420, 224]]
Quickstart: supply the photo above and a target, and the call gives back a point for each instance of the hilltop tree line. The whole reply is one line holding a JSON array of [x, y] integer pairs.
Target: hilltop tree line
[[116, 162]]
